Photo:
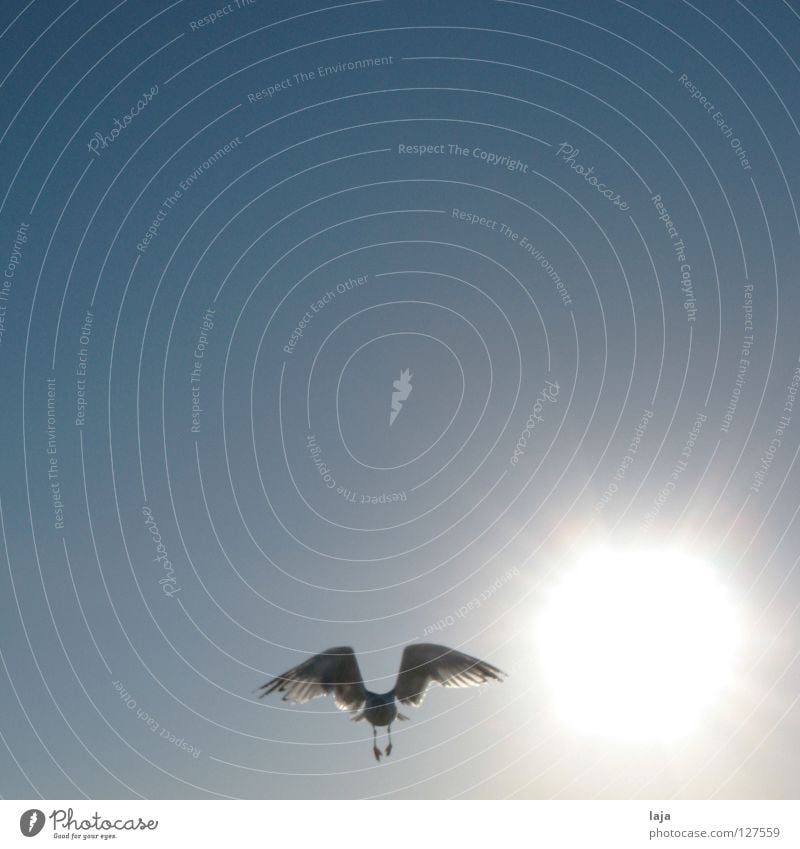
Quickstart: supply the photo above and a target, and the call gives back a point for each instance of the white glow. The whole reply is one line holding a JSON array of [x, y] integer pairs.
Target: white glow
[[637, 644]]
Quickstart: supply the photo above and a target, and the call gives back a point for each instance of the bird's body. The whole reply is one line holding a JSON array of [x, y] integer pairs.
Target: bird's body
[[336, 671], [380, 709]]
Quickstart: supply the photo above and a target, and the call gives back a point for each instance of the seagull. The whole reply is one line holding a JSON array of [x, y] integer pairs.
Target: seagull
[[336, 671]]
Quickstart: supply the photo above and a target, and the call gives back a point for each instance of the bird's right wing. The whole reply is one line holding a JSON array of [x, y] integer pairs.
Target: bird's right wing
[[331, 671], [424, 664]]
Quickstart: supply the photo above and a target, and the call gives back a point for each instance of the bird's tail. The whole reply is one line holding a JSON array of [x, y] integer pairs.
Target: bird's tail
[[357, 717], [402, 717]]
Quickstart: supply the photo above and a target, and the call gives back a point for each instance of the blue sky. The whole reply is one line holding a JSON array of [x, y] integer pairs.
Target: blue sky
[[564, 220]]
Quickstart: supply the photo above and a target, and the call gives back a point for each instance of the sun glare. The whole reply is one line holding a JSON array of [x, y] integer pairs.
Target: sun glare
[[637, 644]]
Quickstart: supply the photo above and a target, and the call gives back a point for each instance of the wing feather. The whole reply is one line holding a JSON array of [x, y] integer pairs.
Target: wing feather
[[331, 671], [424, 664]]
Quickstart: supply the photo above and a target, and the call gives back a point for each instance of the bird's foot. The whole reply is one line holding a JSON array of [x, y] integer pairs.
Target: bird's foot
[[377, 752], [388, 750]]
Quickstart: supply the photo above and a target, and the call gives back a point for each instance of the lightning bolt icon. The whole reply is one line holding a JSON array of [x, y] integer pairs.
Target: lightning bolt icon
[[33, 820]]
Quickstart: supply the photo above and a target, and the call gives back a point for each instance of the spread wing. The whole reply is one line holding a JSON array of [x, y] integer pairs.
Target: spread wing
[[331, 671], [424, 664]]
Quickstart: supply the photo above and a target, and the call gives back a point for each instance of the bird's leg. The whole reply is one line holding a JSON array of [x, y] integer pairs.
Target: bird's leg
[[389, 747], [375, 750]]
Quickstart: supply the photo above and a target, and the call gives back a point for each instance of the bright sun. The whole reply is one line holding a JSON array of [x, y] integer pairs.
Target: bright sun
[[637, 644]]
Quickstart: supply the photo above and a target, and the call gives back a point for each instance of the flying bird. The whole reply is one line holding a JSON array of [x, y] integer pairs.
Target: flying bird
[[336, 671]]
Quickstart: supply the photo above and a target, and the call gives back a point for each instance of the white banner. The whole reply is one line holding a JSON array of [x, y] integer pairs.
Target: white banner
[[400, 824]]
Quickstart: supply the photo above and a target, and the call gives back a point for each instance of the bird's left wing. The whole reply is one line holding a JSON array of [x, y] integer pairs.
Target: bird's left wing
[[424, 664], [331, 671]]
